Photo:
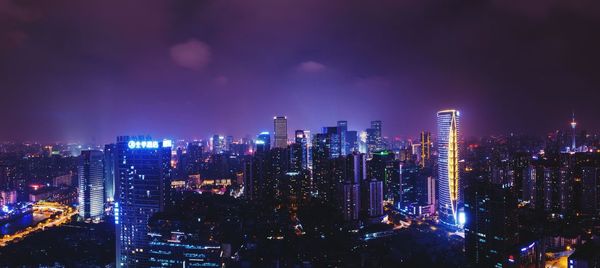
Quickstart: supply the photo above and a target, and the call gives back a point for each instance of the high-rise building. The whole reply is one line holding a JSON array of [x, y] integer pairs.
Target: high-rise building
[[228, 143], [449, 184], [351, 141], [263, 142], [376, 125], [590, 197], [363, 145], [333, 141], [373, 199], [378, 169], [255, 173], [374, 140], [280, 124], [417, 190], [143, 183], [351, 201], [378, 135], [355, 174], [193, 157], [308, 149], [491, 228], [425, 148], [109, 171], [302, 141], [91, 184], [296, 156], [175, 242], [371, 141], [356, 171], [342, 130], [218, 144], [321, 167]]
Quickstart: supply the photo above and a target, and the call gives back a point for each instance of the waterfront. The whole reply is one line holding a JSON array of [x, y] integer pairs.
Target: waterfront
[[27, 220], [48, 215]]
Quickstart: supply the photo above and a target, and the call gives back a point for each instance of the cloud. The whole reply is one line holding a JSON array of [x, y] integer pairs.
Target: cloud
[[192, 54], [311, 67]]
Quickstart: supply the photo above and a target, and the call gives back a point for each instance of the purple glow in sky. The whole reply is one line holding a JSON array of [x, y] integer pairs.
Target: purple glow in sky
[[91, 70]]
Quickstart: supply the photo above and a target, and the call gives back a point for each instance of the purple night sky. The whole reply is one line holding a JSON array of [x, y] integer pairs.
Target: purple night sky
[[91, 70]]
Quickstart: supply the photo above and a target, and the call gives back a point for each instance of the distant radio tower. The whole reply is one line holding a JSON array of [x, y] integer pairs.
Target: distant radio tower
[[573, 125]]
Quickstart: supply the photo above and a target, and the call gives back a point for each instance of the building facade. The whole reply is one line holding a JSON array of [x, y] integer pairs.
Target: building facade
[[449, 184], [143, 180], [280, 127], [91, 184]]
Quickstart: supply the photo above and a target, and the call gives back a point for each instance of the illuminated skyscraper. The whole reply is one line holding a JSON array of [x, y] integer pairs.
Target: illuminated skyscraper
[[302, 141], [425, 147], [363, 146], [228, 143], [263, 142], [351, 141], [109, 172], [376, 125], [91, 186], [218, 144], [143, 172], [308, 149], [280, 123], [333, 141], [449, 184], [374, 139], [342, 130]]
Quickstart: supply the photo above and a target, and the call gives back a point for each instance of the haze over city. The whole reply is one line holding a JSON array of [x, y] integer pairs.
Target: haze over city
[[74, 71], [312, 133]]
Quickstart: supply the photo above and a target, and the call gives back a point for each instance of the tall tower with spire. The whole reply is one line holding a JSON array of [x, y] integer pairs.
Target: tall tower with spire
[[573, 125]]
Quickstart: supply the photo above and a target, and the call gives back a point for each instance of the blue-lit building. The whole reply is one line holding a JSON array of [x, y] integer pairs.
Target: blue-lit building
[[351, 140], [218, 144], [263, 142], [491, 227], [371, 142], [142, 189], [374, 139], [302, 141], [449, 183], [172, 243], [333, 141], [109, 171], [343, 130], [417, 190], [91, 186]]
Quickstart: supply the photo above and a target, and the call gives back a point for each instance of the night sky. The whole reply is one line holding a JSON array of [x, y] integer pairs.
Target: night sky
[[92, 70]]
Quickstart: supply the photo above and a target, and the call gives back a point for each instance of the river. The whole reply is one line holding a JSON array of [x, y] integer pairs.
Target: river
[[21, 223]]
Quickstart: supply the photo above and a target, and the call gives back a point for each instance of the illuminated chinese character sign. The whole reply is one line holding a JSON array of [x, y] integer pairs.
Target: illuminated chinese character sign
[[148, 144]]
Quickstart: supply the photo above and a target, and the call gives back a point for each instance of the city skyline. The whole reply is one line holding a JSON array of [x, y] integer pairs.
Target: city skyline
[[565, 127], [75, 72], [307, 133]]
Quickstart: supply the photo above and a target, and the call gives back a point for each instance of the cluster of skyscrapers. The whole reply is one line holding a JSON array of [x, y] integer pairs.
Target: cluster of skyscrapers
[[478, 188]]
